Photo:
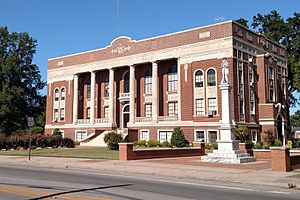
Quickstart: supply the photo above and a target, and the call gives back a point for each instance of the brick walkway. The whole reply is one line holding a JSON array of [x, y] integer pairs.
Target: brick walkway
[[195, 161]]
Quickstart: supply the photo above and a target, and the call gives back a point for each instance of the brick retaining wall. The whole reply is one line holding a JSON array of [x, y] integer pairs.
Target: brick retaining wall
[[126, 152], [262, 153]]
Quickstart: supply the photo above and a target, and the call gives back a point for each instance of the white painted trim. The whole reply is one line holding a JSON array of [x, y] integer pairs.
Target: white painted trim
[[124, 113], [144, 130], [204, 91], [162, 130], [76, 131]]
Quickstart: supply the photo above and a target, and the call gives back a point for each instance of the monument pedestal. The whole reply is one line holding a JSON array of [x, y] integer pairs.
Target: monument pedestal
[[228, 148]]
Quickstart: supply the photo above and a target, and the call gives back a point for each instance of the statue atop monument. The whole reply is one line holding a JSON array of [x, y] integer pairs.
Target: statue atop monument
[[225, 70]]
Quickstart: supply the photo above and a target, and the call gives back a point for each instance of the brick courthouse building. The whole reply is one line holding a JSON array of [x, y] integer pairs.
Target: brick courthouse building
[[147, 87]]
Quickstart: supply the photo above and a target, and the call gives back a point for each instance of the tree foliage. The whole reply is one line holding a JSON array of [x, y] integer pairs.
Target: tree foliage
[[295, 118], [20, 81], [242, 22], [242, 134], [178, 139], [285, 32]]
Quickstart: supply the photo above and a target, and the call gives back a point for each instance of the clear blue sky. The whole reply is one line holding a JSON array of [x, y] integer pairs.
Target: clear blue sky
[[69, 26]]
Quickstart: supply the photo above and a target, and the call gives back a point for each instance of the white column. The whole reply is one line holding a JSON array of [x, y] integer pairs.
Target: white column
[[111, 96], [92, 108], [132, 93], [75, 99], [154, 91], [179, 89]]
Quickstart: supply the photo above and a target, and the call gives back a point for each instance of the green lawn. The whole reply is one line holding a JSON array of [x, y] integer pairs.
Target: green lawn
[[92, 153]]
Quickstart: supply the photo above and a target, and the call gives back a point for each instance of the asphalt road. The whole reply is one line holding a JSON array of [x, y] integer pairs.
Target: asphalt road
[[41, 183]]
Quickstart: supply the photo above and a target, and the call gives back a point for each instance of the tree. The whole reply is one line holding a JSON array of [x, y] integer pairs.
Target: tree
[[242, 22], [285, 32], [295, 118], [178, 139], [242, 134], [20, 81]]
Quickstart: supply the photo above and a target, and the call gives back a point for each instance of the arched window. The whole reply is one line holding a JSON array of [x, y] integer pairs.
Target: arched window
[[211, 77], [63, 94], [106, 87], [126, 82], [172, 79], [56, 95], [199, 79], [148, 81]]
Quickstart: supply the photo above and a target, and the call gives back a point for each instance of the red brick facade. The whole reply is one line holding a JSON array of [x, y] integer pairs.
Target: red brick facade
[[199, 49]]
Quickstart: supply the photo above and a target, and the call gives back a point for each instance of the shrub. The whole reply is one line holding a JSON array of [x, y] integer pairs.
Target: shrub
[[242, 134], [166, 144], [139, 143], [258, 145], [269, 138], [214, 145], [112, 140], [178, 139], [36, 130], [289, 144], [153, 143], [57, 132], [277, 143]]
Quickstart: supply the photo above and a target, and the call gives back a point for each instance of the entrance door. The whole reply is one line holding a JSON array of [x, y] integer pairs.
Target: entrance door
[[125, 116]]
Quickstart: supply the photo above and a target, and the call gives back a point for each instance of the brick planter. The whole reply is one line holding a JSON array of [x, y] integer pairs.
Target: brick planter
[[262, 153], [126, 152]]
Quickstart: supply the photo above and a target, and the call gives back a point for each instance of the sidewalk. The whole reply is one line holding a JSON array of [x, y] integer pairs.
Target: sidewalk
[[258, 173]]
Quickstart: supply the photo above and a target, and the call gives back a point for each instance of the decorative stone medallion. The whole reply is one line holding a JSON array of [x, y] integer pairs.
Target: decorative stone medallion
[[120, 49]]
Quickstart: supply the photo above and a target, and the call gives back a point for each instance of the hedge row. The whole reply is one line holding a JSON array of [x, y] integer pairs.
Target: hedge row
[[37, 140]]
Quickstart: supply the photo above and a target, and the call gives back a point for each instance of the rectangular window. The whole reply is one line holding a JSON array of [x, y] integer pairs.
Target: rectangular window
[[81, 135], [212, 105], [56, 115], [199, 136], [88, 110], [106, 89], [56, 95], [106, 112], [144, 135], [241, 90], [148, 110], [254, 136], [62, 114], [199, 107], [173, 108], [165, 136], [239, 54], [271, 83], [88, 91], [172, 82], [252, 102], [212, 136], [148, 85]]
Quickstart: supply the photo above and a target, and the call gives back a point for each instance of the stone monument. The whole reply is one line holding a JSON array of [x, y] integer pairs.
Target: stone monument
[[228, 147]]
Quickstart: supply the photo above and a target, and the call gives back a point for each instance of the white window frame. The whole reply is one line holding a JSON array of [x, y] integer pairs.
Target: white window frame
[[204, 135], [60, 114], [199, 80], [106, 112], [272, 99], [241, 89], [82, 131], [148, 110], [173, 79], [61, 94], [212, 130], [173, 108], [167, 138], [56, 118], [56, 98], [254, 140], [200, 110], [148, 81], [215, 82], [142, 136], [215, 106]]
